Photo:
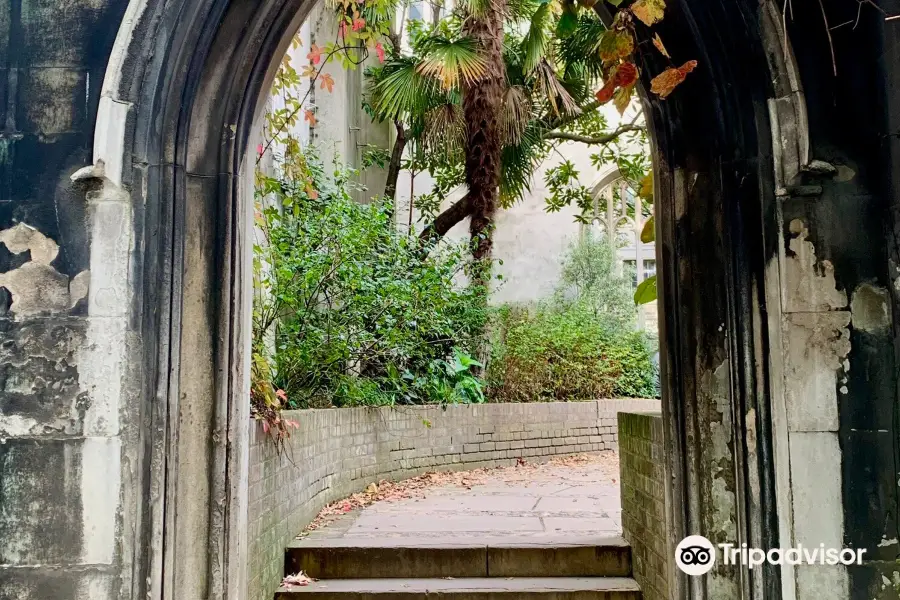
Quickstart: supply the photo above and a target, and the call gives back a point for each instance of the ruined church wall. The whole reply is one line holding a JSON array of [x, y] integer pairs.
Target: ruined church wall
[[64, 312]]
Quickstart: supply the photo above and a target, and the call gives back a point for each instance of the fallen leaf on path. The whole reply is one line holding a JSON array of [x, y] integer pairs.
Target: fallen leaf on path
[[300, 579]]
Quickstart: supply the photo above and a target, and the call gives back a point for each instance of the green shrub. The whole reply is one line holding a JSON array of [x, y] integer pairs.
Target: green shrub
[[581, 344], [567, 354], [352, 311]]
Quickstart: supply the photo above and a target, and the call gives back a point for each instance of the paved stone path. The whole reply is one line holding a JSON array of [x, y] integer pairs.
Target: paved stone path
[[569, 499]]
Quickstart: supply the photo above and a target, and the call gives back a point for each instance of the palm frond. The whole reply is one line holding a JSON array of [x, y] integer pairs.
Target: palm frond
[[401, 90], [581, 48], [445, 128], [475, 8], [552, 89], [519, 162], [515, 115], [537, 41], [452, 62]]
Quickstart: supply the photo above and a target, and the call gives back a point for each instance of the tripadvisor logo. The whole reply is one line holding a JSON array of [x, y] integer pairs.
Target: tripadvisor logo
[[695, 555]]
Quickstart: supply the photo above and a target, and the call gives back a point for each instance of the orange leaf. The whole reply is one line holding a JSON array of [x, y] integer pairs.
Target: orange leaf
[[327, 82], [310, 116], [657, 41], [687, 67], [315, 54], [311, 191], [605, 93], [666, 82], [626, 75]]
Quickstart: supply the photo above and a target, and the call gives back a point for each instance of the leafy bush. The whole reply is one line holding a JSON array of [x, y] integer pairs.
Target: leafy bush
[[581, 345], [352, 311]]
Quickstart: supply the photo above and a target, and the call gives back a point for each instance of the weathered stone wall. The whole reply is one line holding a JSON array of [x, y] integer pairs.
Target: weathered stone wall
[[63, 438], [337, 452], [643, 485]]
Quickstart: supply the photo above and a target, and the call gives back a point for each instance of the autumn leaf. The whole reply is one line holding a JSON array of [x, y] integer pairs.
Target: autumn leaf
[[311, 191], [615, 45], [666, 82], [605, 93], [315, 54], [300, 579], [626, 75], [645, 190], [281, 394], [648, 233], [649, 11], [379, 50], [308, 71], [327, 82], [359, 23], [622, 98], [310, 116], [657, 41]]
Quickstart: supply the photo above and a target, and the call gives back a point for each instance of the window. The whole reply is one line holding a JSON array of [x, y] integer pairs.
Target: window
[[630, 269], [415, 11]]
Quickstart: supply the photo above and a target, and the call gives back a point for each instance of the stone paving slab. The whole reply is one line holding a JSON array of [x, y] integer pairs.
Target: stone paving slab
[[565, 499]]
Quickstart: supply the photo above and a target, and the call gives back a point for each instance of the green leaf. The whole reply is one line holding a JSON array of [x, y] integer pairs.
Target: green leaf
[[646, 291], [648, 233], [568, 20], [535, 43]]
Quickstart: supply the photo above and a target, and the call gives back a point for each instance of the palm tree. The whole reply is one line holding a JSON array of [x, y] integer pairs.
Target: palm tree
[[494, 120], [482, 101]]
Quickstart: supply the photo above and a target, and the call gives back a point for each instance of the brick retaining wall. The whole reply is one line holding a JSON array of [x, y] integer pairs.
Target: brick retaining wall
[[643, 480], [337, 452]]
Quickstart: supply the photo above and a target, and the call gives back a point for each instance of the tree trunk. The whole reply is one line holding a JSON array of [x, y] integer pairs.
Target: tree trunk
[[390, 186], [482, 102], [445, 221]]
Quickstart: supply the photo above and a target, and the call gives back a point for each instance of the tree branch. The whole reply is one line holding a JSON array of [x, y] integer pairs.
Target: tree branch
[[390, 186], [593, 139], [445, 221]]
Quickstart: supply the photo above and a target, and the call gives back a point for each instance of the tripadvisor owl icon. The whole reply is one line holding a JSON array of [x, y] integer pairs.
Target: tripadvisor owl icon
[[695, 555]]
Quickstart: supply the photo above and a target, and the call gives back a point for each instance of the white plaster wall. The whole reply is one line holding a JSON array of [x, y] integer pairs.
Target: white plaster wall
[[529, 241]]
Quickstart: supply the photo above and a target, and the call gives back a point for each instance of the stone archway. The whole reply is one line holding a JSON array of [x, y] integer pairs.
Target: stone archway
[[200, 122], [759, 285]]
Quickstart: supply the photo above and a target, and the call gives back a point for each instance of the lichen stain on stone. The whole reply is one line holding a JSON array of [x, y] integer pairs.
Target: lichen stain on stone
[[39, 386], [717, 453], [810, 283], [52, 110], [828, 336], [870, 308], [37, 287]]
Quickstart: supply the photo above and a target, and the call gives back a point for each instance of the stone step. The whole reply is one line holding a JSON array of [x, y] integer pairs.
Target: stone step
[[344, 558], [487, 588]]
